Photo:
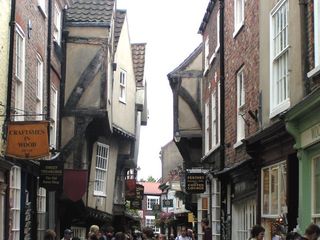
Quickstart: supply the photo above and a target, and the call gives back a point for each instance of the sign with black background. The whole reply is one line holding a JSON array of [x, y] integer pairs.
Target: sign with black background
[[167, 202], [195, 182], [51, 175]]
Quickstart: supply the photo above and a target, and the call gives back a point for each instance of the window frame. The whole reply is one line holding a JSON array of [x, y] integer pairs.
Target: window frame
[[101, 169], [316, 23], [20, 48], [53, 115], [315, 216], [15, 195], [207, 127], [152, 224], [206, 54], [214, 120], [39, 87], [218, 31], [42, 7], [123, 86], [41, 211], [57, 24], [238, 16], [279, 102], [241, 100], [149, 204], [280, 191], [244, 213]]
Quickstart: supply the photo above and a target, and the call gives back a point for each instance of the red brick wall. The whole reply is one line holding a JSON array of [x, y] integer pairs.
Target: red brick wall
[[241, 51]]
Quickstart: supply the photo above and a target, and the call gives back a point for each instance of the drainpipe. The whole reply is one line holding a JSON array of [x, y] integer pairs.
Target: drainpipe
[[223, 204], [49, 47], [10, 67]]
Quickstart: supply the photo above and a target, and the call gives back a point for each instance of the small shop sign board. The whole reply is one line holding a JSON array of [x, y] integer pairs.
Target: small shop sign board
[[28, 140], [136, 204], [195, 182], [167, 202], [51, 175]]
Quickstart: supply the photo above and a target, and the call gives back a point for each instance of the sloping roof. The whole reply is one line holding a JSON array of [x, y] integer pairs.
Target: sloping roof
[[120, 16], [151, 188], [187, 61], [138, 58], [90, 11], [206, 16]]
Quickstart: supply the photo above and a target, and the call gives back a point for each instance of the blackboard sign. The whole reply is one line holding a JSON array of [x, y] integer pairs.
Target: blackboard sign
[[136, 204], [139, 191], [51, 175], [195, 182]]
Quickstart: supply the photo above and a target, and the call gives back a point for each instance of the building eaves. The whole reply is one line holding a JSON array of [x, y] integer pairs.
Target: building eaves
[[120, 16], [90, 12], [138, 58], [186, 62], [206, 16]]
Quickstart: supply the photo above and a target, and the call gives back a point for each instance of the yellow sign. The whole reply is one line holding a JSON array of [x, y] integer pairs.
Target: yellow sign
[[190, 217], [28, 140]]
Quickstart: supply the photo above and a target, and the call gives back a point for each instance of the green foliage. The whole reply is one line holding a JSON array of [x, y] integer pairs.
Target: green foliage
[[151, 179]]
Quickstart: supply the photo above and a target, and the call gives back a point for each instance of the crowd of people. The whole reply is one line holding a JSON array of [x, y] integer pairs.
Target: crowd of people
[[311, 233], [257, 233]]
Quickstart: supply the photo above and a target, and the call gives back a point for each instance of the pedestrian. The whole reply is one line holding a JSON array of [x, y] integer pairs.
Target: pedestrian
[[294, 236], [147, 233], [312, 232], [257, 232], [67, 234], [109, 233], [93, 231], [120, 236], [171, 237], [162, 237], [50, 235], [183, 234], [207, 232]]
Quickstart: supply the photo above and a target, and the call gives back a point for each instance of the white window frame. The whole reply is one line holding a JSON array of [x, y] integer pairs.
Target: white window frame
[[240, 105], [206, 54], [216, 200], [207, 127], [279, 59], [53, 115], [39, 88], [214, 120], [244, 217], [57, 24], [19, 73], [123, 85], [41, 212], [42, 7], [218, 31], [316, 7], [152, 200], [15, 205], [150, 222], [315, 214], [280, 192], [238, 15], [101, 169]]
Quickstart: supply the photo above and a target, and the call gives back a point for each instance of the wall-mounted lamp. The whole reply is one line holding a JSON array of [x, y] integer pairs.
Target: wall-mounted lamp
[[177, 136]]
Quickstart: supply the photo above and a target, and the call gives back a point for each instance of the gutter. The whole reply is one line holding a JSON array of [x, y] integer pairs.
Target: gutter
[[49, 46]]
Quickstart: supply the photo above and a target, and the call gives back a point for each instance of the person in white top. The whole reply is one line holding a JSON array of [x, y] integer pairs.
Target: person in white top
[[183, 234]]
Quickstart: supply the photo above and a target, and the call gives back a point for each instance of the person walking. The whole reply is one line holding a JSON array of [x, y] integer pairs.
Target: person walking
[[183, 234], [50, 235], [257, 232], [67, 234], [207, 232], [312, 232]]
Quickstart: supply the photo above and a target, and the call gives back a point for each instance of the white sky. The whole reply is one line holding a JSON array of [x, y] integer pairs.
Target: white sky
[[170, 29]]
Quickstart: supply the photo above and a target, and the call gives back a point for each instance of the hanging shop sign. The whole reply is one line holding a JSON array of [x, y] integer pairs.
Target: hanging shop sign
[[136, 204], [195, 182], [156, 207], [167, 202], [51, 175], [130, 189], [28, 140], [139, 191]]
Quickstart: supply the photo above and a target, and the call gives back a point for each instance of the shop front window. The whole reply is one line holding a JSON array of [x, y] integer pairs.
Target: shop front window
[[274, 190]]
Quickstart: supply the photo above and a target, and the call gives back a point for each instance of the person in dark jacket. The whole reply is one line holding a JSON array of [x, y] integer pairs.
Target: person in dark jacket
[[207, 232]]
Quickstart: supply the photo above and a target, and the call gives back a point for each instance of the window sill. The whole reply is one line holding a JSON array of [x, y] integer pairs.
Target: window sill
[[314, 72], [237, 30], [280, 108], [211, 150], [97, 194], [122, 101], [237, 144], [43, 11]]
